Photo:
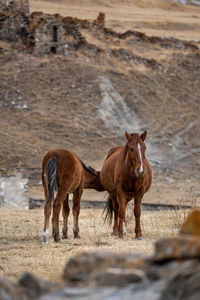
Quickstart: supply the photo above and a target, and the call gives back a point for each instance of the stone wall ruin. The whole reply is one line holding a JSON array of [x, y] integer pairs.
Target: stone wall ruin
[[39, 33]]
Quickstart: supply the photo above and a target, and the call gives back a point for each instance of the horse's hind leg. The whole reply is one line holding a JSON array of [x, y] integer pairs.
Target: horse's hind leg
[[76, 209], [66, 211], [47, 214], [56, 211], [115, 208]]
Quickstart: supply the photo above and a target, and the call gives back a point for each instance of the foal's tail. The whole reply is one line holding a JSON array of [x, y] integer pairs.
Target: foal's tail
[[108, 210], [51, 178]]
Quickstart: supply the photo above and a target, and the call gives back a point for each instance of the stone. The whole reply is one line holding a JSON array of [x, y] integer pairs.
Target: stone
[[35, 203], [185, 284], [34, 287], [10, 290], [191, 225], [86, 267], [100, 21], [180, 247], [119, 277]]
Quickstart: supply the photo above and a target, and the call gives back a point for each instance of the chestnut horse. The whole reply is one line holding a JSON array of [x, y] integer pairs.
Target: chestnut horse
[[63, 172], [126, 174]]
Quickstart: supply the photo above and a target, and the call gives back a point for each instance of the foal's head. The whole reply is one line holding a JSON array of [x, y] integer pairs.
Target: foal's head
[[135, 153]]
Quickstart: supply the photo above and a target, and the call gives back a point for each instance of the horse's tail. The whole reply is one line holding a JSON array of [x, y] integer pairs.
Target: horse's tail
[[108, 210], [51, 178]]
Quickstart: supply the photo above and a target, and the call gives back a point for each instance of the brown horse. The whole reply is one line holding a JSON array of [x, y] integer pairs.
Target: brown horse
[[64, 172], [126, 174]]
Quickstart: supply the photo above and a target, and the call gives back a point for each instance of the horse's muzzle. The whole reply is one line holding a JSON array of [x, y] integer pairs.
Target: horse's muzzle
[[139, 173]]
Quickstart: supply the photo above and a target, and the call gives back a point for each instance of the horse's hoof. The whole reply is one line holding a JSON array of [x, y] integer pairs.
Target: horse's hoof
[[64, 236], [56, 238], [45, 241], [139, 238], [77, 236], [114, 234], [121, 237]]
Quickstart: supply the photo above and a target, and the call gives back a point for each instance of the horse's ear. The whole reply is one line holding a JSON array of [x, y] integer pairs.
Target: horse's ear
[[143, 135], [128, 136]]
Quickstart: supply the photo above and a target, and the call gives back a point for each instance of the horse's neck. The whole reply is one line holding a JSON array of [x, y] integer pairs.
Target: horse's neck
[[124, 163]]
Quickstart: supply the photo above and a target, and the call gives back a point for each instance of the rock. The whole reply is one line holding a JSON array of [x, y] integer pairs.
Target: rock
[[87, 267], [185, 284], [100, 21], [119, 277], [34, 287], [192, 223], [10, 290], [180, 247], [187, 245], [35, 203]]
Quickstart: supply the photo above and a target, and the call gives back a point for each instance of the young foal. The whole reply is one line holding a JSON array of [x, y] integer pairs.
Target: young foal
[[62, 171], [126, 174]]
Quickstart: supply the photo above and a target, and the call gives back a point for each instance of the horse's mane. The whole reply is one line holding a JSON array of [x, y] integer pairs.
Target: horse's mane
[[89, 169]]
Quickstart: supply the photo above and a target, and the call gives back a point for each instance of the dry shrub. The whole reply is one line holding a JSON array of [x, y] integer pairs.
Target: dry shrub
[[186, 204]]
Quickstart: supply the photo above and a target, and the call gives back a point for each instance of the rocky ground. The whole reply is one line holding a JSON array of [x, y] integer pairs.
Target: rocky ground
[[171, 273]]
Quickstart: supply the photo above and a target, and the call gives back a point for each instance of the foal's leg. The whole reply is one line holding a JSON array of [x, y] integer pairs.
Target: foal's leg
[[66, 211], [137, 214], [121, 199], [56, 211], [76, 209], [47, 213]]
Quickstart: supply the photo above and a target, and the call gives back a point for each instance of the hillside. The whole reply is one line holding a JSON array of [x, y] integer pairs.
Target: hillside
[[146, 78]]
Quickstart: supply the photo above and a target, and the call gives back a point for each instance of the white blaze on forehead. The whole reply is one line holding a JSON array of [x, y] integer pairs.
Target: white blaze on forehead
[[140, 156]]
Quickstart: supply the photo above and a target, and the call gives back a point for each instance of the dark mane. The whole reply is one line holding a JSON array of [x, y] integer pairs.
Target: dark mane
[[88, 168]]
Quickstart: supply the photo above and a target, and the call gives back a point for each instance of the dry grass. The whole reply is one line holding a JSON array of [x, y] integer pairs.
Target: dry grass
[[21, 248], [181, 210]]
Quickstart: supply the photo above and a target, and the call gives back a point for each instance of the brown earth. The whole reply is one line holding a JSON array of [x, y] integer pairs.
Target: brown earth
[[57, 101]]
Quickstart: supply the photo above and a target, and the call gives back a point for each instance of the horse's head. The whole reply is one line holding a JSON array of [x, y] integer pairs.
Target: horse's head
[[92, 179], [135, 153]]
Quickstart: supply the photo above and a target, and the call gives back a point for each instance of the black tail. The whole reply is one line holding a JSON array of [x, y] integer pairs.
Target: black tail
[[51, 177], [108, 210]]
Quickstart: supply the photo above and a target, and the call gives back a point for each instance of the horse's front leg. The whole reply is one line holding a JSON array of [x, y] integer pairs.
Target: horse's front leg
[[55, 219], [76, 210], [137, 214], [121, 199]]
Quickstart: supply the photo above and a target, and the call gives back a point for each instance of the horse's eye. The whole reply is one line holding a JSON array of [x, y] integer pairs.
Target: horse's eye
[[131, 149]]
